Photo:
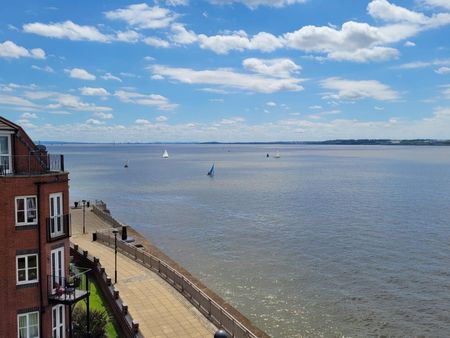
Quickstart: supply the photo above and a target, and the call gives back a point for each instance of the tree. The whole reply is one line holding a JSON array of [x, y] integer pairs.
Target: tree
[[97, 323]]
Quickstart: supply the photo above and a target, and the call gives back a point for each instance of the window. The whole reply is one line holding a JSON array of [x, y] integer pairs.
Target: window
[[28, 325], [26, 210], [58, 321], [27, 269], [56, 214], [5, 154]]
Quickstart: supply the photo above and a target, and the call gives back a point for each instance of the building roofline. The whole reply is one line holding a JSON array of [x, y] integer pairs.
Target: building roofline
[[10, 124]]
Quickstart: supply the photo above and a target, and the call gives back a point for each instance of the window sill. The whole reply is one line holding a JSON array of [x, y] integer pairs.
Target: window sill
[[26, 227], [27, 285]]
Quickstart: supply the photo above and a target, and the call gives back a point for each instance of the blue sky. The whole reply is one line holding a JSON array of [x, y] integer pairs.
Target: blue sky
[[226, 70]]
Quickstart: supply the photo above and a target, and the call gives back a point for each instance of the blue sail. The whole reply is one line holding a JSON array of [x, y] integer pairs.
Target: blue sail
[[211, 171]]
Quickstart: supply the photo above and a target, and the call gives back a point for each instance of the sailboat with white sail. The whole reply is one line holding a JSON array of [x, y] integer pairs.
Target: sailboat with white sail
[[165, 154], [277, 154]]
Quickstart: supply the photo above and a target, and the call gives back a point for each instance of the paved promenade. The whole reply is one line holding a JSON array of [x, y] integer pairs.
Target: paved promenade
[[160, 309]]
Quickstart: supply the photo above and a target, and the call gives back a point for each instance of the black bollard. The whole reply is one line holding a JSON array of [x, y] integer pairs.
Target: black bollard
[[221, 334], [124, 233]]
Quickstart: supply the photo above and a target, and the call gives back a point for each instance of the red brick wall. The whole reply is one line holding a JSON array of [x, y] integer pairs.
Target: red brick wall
[[12, 298]]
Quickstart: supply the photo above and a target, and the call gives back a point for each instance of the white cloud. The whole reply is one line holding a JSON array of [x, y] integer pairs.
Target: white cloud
[[104, 116], [281, 68], [378, 108], [443, 70], [161, 118], [142, 16], [156, 100], [128, 75], [315, 107], [446, 91], [28, 116], [239, 40], [128, 36], [424, 64], [271, 104], [437, 3], [10, 50], [79, 73], [181, 35], [233, 120], [47, 69], [94, 122], [93, 91], [177, 2], [68, 101], [66, 30], [57, 101], [15, 101], [109, 76], [382, 9], [409, 44], [255, 3], [157, 77], [142, 121], [229, 79], [156, 42], [435, 125], [355, 90]]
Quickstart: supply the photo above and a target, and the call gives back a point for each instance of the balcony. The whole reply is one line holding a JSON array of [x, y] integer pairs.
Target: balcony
[[68, 290], [58, 227], [35, 163]]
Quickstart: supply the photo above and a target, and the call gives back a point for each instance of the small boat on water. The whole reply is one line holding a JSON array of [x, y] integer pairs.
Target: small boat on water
[[211, 171], [126, 164], [165, 154], [277, 154], [267, 155]]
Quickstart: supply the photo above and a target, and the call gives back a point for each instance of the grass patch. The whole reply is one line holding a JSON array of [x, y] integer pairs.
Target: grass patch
[[96, 302]]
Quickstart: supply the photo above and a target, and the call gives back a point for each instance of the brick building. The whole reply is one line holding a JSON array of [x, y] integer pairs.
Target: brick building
[[37, 289]]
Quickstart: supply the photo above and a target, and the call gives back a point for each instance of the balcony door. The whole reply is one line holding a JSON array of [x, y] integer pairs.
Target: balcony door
[[58, 321], [56, 216], [57, 273]]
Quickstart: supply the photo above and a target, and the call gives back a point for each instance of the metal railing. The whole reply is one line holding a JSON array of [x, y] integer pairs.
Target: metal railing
[[70, 289], [211, 309], [58, 228], [33, 163]]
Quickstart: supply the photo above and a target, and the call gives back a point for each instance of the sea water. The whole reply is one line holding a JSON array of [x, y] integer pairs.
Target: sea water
[[324, 241]]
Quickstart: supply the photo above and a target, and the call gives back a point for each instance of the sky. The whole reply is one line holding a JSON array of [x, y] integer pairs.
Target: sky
[[226, 70]]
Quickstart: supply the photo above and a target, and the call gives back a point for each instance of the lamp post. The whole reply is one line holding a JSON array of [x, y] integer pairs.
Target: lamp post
[[115, 255], [84, 216]]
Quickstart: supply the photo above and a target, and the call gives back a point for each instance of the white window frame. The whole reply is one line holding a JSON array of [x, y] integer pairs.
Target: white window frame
[[25, 210], [8, 135], [58, 322], [27, 280], [56, 219], [57, 263], [27, 316]]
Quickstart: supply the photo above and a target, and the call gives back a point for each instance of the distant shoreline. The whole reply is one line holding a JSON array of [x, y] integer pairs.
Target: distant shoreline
[[384, 142]]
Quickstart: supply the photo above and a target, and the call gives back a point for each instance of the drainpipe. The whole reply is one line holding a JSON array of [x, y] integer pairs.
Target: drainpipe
[[41, 296]]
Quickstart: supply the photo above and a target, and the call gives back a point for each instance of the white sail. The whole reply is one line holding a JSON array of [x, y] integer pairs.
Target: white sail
[[277, 155], [166, 154]]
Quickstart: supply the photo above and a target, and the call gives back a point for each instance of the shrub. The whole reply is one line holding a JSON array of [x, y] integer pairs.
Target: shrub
[[98, 321]]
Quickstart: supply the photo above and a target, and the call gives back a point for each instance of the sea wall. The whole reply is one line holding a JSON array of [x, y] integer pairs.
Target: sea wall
[[212, 306], [101, 210]]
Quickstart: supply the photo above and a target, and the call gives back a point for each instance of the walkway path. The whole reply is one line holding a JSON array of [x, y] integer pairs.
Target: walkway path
[[160, 309]]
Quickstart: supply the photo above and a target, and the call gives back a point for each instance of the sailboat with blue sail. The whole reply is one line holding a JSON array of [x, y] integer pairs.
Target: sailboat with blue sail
[[211, 171]]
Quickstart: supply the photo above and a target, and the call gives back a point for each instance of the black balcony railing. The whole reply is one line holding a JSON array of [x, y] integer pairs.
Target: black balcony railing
[[58, 227], [33, 163], [68, 290]]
